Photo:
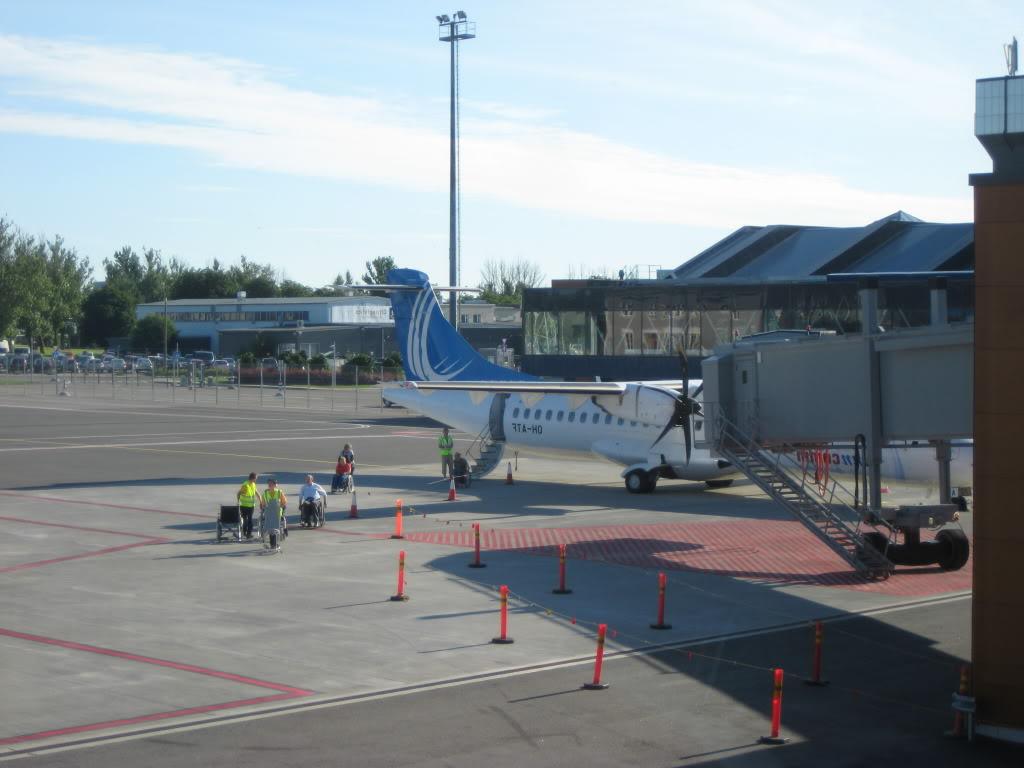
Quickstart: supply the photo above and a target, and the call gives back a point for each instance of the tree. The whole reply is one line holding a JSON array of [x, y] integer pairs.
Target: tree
[[377, 270], [9, 293], [68, 276], [503, 282], [257, 280], [148, 333], [291, 288], [106, 313], [30, 280]]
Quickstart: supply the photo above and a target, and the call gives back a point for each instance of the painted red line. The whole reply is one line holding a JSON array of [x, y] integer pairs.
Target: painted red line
[[76, 527], [97, 553], [104, 504], [145, 718], [154, 661]]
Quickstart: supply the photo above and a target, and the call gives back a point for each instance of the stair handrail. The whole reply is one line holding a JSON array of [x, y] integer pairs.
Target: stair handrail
[[482, 437], [830, 514]]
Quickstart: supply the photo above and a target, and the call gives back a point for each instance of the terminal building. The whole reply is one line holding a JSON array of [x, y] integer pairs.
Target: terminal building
[[757, 279]]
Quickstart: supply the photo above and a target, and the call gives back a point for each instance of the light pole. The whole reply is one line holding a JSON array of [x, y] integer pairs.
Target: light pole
[[451, 31]]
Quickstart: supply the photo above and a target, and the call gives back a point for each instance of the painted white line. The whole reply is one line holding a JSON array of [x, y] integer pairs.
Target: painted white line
[[276, 439], [327, 701]]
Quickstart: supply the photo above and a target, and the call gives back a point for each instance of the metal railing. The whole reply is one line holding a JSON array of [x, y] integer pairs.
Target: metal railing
[[820, 509], [352, 388]]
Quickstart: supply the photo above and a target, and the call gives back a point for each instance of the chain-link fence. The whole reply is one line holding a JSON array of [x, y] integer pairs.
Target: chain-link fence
[[349, 388]]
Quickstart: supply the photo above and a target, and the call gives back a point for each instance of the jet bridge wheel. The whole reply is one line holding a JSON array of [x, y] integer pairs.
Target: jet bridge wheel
[[718, 483], [956, 549], [876, 540], [641, 481]]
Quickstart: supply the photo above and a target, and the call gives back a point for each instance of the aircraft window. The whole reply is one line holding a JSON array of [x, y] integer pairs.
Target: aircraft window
[[572, 416], [515, 413], [526, 413], [698, 425], [547, 416], [608, 419], [596, 418], [560, 415], [632, 423], [621, 422]]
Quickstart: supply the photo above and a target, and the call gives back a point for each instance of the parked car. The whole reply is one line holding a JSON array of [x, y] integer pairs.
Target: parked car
[[270, 364], [203, 356], [143, 365], [221, 366]]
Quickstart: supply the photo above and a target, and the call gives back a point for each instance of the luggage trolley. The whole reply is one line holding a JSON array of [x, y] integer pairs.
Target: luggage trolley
[[229, 521]]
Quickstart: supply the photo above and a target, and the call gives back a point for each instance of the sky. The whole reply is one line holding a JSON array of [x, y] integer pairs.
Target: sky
[[595, 136]]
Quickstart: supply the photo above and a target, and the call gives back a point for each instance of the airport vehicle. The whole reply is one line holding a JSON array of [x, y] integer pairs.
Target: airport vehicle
[[652, 428]]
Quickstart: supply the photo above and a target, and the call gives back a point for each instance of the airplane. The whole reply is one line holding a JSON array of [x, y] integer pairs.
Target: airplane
[[653, 429]]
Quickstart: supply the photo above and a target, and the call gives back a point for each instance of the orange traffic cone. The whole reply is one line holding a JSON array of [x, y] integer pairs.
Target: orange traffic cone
[[451, 491], [508, 477], [354, 509]]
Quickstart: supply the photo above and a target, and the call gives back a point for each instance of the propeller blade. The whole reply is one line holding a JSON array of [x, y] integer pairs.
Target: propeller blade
[[684, 364], [688, 438]]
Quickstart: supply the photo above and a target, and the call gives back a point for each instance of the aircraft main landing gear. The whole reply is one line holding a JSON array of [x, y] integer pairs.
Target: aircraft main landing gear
[[641, 481], [718, 483]]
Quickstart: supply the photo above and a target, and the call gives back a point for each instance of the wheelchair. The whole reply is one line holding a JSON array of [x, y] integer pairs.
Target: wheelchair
[[311, 513], [229, 521]]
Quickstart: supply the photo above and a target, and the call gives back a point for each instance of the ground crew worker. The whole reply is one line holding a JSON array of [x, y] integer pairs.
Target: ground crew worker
[[444, 447], [274, 505], [247, 497]]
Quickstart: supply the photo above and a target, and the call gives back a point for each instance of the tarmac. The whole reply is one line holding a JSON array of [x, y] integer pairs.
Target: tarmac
[[130, 636]]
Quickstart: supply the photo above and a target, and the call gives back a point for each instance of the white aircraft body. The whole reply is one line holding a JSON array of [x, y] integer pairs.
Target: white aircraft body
[[651, 428]]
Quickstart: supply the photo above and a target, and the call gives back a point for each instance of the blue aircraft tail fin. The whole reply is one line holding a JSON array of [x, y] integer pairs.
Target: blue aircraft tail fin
[[431, 349]]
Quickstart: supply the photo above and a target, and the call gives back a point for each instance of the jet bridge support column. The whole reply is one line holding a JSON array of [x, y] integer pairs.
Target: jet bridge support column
[[943, 455], [939, 301], [868, 293]]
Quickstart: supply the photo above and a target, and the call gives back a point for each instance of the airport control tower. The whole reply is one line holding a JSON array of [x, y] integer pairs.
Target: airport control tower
[[998, 620]]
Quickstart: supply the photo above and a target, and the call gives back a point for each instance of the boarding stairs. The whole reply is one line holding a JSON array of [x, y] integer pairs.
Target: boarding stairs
[[819, 507], [484, 454]]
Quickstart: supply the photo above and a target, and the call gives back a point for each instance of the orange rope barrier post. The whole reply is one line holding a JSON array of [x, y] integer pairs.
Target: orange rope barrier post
[[562, 590], [957, 731], [508, 477], [774, 738], [662, 583], [354, 509], [816, 667], [398, 520], [476, 545], [451, 490], [401, 596], [596, 684], [503, 638]]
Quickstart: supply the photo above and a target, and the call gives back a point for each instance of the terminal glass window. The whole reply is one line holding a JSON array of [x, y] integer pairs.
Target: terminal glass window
[[574, 333], [541, 331]]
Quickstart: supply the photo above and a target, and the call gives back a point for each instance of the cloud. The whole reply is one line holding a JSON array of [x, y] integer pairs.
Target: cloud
[[234, 114]]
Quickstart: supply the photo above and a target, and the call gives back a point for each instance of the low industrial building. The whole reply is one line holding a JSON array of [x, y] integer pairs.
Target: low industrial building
[[351, 324]]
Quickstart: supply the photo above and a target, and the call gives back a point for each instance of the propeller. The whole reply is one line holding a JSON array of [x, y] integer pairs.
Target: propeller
[[685, 407]]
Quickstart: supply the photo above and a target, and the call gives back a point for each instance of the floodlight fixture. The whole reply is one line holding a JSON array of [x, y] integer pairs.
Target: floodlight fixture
[[461, 15]]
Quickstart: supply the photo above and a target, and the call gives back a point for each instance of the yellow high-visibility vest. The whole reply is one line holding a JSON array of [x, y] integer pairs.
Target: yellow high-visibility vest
[[247, 494]]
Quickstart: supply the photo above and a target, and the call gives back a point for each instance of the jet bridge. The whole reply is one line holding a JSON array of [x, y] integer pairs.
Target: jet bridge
[[768, 396]]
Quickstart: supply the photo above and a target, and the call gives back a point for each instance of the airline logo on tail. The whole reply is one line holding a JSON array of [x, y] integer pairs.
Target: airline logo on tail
[[431, 349]]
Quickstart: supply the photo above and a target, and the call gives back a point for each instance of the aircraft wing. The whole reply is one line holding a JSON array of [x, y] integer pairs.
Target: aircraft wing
[[527, 387]]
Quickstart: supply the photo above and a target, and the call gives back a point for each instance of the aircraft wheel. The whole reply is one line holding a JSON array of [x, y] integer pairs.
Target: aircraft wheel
[[718, 483], [955, 551], [639, 481]]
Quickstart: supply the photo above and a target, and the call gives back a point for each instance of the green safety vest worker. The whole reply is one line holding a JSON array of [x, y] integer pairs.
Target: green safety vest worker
[[247, 494], [444, 444]]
